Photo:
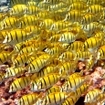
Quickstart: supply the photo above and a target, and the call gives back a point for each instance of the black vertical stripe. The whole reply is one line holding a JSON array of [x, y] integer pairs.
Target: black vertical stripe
[[55, 101], [19, 82]]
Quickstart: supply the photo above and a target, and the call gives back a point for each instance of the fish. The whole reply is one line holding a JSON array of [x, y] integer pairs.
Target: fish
[[95, 9], [20, 60], [28, 49], [16, 36], [78, 6], [81, 90], [46, 23], [18, 10], [92, 95], [73, 16], [45, 82], [47, 70], [75, 46], [66, 68], [91, 44], [10, 22], [14, 72], [33, 29], [39, 63], [72, 84], [90, 28], [82, 55], [88, 18], [59, 25], [67, 37], [54, 98], [19, 84], [28, 20], [67, 56], [28, 99], [55, 51]]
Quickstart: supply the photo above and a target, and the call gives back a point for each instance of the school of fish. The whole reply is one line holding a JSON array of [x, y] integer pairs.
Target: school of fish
[[42, 42]]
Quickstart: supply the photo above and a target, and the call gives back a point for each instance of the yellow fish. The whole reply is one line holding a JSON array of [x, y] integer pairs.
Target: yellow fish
[[67, 56], [20, 60], [10, 22], [28, 99], [37, 64], [54, 98], [72, 84], [67, 37], [59, 25], [73, 16], [49, 69], [91, 44], [65, 68], [45, 82], [29, 20], [46, 23], [90, 28], [75, 46], [19, 84], [28, 49], [92, 95], [16, 36], [12, 71], [88, 18], [82, 55], [18, 10], [33, 29], [95, 9], [78, 6]]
